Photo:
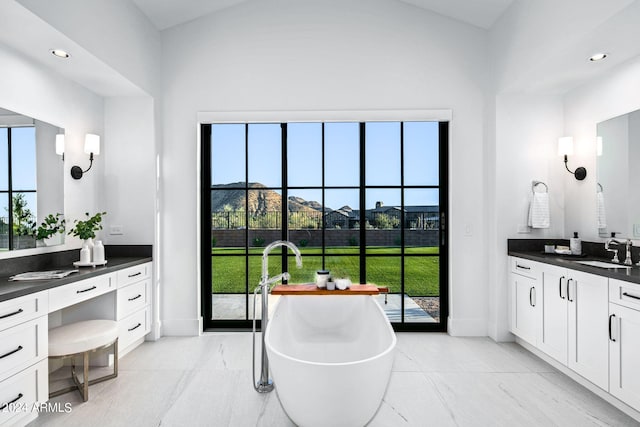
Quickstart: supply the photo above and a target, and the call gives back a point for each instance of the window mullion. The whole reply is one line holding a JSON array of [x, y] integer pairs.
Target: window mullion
[[10, 188], [402, 219], [363, 228], [285, 196]]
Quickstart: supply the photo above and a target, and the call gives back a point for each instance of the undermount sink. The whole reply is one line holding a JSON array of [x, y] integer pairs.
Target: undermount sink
[[601, 264]]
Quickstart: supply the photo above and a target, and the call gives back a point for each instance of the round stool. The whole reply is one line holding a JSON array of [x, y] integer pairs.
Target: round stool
[[82, 338]]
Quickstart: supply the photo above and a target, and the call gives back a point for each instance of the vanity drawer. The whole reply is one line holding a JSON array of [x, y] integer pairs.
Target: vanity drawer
[[525, 267], [20, 392], [74, 293], [132, 298], [624, 293], [133, 327], [133, 274], [22, 346], [22, 309]]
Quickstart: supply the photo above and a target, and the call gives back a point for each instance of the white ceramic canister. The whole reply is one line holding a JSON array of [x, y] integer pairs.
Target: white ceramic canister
[[85, 254], [322, 278], [98, 253]]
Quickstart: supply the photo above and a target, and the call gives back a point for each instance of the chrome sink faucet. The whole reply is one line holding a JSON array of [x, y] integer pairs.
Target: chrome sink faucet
[[616, 242], [627, 260], [265, 384]]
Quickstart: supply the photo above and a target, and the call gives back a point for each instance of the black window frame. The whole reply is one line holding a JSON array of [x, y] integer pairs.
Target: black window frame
[[206, 255], [10, 191]]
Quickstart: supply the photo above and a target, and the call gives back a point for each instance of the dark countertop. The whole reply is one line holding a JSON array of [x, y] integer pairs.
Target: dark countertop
[[10, 290], [568, 261]]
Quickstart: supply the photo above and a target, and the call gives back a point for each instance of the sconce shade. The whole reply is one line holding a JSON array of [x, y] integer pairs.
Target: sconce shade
[[60, 144], [565, 146], [92, 144], [91, 147]]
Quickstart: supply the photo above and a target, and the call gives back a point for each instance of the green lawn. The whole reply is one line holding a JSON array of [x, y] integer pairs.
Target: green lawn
[[421, 273]]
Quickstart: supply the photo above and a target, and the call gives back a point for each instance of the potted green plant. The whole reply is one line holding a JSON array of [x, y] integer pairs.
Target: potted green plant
[[86, 230], [51, 229]]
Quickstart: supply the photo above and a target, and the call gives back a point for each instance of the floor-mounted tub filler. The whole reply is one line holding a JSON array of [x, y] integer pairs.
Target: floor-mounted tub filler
[[330, 357]]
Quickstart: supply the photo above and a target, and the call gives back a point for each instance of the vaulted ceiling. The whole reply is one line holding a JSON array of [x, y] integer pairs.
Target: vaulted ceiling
[[168, 13]]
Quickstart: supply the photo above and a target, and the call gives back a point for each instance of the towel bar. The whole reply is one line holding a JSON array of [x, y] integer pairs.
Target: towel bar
[[536, 183]]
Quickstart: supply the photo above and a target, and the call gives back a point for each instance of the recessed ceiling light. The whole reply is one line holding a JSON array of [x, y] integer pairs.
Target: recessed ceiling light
[[598, 57], [60, 53]]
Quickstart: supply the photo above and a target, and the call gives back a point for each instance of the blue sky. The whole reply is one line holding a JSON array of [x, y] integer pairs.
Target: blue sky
[[304, 151], [23, 153]]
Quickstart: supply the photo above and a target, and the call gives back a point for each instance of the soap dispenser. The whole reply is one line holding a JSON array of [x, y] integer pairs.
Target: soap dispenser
[[575, 244]]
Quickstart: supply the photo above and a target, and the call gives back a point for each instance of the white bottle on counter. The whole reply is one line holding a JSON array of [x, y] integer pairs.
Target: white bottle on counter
[[575, 244], [85, 254], [98, 253]]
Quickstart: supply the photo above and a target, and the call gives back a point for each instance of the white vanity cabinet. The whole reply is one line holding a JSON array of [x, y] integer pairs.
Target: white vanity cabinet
[[23, 357], [524, 283], [122, 294], [553, 338], [624, 344], [133, 310], [588, 326], [572, 312]]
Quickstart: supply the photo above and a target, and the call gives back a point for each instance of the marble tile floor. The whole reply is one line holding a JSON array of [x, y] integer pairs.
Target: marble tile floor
[[437, 380], [233, 306]]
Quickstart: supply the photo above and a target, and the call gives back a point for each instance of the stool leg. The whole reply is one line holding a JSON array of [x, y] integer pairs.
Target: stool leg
[[85, 384]]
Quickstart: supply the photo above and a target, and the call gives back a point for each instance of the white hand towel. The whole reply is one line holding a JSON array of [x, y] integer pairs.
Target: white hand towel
[[539, 216], [601, 213]]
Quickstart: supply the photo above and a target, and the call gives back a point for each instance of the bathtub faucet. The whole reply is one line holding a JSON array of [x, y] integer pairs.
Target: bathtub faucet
[[264, 279], [265, 384]]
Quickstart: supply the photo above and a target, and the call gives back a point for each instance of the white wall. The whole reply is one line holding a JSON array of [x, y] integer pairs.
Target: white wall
[[129, 194], [527, 129], [285, 55], [29, 89]]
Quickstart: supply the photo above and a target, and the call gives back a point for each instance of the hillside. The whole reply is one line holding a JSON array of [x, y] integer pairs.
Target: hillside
[[261, 200]]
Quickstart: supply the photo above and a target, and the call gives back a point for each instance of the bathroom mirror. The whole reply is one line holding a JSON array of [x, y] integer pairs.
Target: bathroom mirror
[[31, 182], [618, 200]]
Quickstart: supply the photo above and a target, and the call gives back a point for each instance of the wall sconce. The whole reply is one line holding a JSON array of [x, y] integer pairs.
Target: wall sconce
[[91, 147], [60, 145], [565, 147]]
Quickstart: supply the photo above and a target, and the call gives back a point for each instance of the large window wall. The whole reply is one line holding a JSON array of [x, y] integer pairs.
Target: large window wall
[[365, 200]]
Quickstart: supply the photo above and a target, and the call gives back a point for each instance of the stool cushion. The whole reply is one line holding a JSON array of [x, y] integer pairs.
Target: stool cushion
[[82, 336]]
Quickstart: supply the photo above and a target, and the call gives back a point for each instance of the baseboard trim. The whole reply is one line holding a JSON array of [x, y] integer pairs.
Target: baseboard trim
[[466, 327], [182, 327]]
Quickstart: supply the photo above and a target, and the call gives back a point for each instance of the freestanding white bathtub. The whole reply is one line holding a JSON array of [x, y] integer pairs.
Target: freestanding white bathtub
[[330, 358]]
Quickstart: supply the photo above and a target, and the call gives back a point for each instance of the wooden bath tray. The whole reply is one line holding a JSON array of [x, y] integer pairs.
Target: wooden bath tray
[[312, 289]]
